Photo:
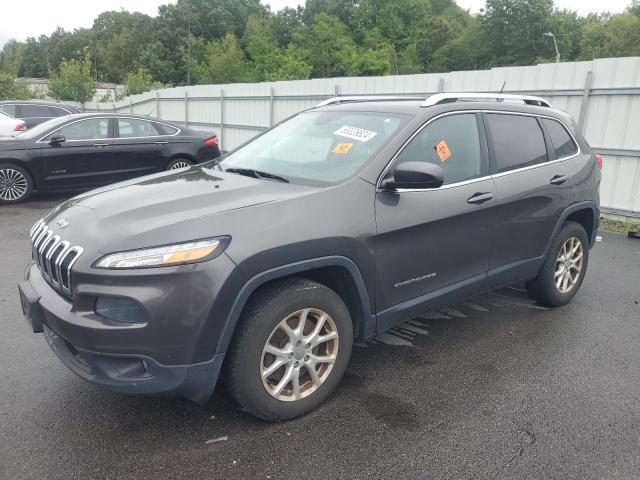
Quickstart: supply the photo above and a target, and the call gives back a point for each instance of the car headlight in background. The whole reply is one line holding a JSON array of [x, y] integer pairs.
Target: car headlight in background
[[165, 256]]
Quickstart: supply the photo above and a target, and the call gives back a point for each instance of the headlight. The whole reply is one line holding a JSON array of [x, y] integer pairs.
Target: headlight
[[176, 254]]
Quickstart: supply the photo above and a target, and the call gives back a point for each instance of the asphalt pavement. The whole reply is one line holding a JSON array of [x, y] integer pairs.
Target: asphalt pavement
[[495, 387]]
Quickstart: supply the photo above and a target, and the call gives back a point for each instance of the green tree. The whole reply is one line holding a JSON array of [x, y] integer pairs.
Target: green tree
[[73, 81], [326, 46], [513, 30], [141, 81], [224, 62], [12, 89]]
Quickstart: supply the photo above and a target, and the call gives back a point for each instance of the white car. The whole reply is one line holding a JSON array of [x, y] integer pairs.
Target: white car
[[10, 126]]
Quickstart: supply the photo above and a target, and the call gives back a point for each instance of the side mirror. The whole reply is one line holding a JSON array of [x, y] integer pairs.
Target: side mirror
[[415, 175], [56, 139]]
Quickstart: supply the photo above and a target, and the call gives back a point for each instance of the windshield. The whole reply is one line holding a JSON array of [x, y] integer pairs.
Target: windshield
[[41, 128], [317, 147]]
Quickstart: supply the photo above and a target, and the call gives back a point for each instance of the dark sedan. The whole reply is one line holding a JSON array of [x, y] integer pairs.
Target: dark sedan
[[84, 151], [34, 112]]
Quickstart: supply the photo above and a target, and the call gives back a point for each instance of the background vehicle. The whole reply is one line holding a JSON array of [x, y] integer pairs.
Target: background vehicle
[[34, 112], [337, 224], [83, 151], [10, 126]]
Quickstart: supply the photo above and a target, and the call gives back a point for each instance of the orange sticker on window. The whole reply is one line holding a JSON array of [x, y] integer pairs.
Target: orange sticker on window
[[443, 151], [342, 148]]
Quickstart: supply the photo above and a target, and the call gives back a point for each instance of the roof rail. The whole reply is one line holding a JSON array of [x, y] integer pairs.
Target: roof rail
[[439, 98], [364, 98]]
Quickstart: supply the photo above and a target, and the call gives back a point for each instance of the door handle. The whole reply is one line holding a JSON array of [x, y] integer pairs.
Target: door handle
[[558, 179], [480, 198], [100, 144], [161, 143]]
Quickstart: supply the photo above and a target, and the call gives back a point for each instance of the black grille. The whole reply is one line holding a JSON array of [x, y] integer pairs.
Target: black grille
[[54, 256]]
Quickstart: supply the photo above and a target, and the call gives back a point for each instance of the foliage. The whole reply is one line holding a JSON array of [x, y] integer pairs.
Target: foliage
[[12, 89], [207, 41], [73, 81], [141, 81]]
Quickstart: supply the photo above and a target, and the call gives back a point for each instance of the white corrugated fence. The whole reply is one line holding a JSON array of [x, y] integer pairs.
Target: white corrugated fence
[[602, 95]]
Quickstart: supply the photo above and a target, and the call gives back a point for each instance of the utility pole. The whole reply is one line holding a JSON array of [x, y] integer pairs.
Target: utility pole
[[555, 44], [189, 55]]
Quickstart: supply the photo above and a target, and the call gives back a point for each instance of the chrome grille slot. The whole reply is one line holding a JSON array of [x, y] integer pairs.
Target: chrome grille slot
[[54, 257]]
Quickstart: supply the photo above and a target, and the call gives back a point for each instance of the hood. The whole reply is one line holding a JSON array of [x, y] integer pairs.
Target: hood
[[163, 208]]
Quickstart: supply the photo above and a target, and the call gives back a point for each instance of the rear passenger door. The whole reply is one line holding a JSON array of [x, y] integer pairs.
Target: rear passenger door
[[434, 245], [534, 188], [140, 147]]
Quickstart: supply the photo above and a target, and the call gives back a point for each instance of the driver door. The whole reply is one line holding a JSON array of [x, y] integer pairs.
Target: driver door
[[433, 245], [82, 160]]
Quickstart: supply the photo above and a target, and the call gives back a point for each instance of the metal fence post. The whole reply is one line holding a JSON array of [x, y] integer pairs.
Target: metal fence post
[[441, 85], [584, 105], [272, 92], [221, 136], [336, 90], [157, 104], [186, 108], [113, 107], [131, 106]]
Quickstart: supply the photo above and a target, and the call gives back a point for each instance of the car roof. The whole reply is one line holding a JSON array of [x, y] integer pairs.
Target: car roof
[[37, 102]]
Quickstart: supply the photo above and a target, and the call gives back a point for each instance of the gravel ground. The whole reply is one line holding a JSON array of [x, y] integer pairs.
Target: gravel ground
[[496, 387]]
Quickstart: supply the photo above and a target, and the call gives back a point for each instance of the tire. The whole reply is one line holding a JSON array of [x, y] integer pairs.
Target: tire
[[179, 163], [16, 184], [261, 323], [544, 288]]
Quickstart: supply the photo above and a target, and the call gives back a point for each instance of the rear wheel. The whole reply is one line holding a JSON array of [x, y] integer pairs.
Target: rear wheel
[[179, 163], [292, 347], [16, 184], [564, 269]]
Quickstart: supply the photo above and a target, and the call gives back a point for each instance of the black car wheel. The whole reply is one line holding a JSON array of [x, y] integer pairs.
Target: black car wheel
[[15, 184], [292, 347], [563, 271], [179, 163]]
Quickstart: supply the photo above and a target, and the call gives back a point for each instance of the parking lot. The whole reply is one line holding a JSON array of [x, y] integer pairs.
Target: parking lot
[[496, 387]]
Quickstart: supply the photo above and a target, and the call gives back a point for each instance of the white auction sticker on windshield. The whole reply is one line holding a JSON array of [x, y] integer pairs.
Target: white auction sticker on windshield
[[355, 133]]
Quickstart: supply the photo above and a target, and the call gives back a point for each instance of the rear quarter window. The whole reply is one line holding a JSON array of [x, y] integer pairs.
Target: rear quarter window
[[563, 144], [8, 109], [517, 141]]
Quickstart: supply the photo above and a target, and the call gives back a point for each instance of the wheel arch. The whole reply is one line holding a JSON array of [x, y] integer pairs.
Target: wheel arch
[[339, 273], [586, 212]]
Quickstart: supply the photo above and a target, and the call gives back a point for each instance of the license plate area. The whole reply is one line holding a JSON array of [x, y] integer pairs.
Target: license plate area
[[31, 306]]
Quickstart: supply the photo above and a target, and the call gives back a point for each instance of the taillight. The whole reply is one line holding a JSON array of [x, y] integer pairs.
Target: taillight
[[21, 127], [211, 142], [599, 160]]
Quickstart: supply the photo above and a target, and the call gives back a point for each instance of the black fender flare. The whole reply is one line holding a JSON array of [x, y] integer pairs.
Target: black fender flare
[[286, 270], [571, 209]]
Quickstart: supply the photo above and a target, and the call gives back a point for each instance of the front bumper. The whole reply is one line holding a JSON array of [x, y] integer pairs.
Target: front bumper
[[159, 356]]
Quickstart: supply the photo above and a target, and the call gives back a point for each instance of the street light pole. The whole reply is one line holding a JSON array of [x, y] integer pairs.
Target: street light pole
[[555, 44]]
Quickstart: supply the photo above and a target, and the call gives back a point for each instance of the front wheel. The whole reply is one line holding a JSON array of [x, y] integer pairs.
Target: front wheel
[[16, 184], [564, 268], [292, 347]]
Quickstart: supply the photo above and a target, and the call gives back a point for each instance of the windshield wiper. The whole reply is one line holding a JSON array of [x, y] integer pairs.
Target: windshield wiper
[[250, 172]]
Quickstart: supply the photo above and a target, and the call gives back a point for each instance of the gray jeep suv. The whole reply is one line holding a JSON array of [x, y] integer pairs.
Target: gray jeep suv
[[335, 225]]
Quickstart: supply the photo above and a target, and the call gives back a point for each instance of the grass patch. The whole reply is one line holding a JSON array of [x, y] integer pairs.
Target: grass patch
[[619, 226]]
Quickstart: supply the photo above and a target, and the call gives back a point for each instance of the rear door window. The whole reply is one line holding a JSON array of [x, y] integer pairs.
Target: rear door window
[[33, 111], [453, 142], [134, 128], [517, 141], [563, 144], [57, 112]]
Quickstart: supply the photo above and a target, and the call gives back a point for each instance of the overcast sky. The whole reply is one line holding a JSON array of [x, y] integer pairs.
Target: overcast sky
[[36, 17]]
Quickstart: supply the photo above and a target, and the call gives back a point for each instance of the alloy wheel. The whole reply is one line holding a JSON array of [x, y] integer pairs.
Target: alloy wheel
[[569, 265], [13, 184], [180, 164], [299, 354]]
